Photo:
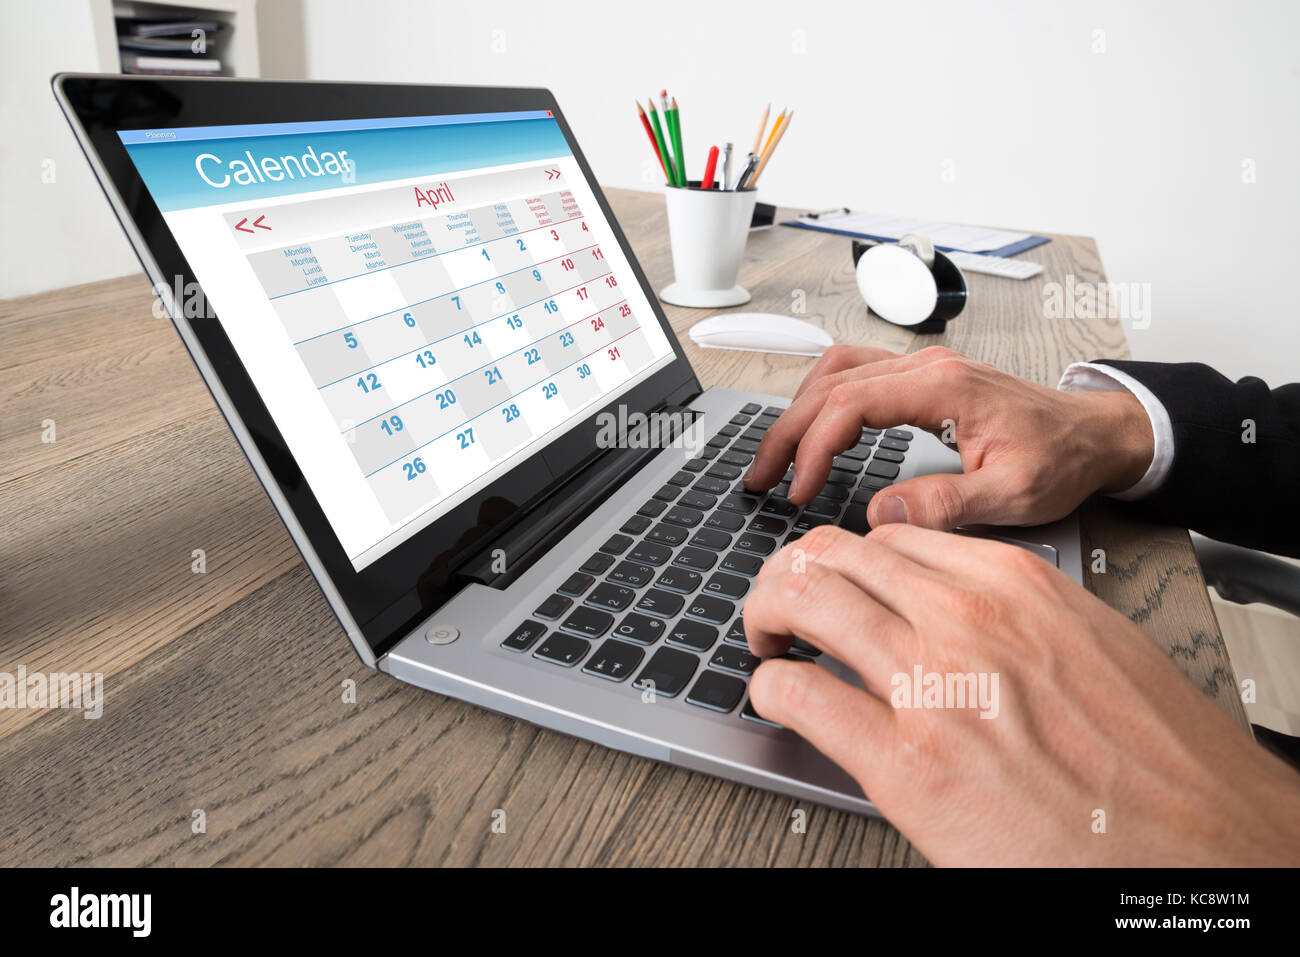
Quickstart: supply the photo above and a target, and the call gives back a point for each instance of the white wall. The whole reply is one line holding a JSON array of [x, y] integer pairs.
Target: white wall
[[60, 231], [1140, 146]]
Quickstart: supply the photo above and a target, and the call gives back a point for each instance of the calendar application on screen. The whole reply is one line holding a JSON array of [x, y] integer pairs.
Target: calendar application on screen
[[422, 303]]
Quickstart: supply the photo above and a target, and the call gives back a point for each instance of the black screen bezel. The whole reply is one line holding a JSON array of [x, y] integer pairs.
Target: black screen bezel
[[388, 596]]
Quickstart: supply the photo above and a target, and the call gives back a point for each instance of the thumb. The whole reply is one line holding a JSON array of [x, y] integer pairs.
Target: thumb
[[941, 501]]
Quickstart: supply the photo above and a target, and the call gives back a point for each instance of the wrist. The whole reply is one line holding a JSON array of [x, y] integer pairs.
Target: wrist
[[1122, 437]]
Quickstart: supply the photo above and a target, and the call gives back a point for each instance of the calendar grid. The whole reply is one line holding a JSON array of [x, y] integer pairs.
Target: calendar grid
[[533, 385]]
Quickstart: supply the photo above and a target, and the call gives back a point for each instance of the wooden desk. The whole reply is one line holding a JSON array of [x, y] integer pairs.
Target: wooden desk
[[224, 690]]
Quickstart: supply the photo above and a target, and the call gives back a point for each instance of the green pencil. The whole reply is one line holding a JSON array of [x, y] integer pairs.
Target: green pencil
[[675, 131], [659, 141]]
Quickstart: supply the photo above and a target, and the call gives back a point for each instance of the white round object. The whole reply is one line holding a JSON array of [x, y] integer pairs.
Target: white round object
[[897, 285]]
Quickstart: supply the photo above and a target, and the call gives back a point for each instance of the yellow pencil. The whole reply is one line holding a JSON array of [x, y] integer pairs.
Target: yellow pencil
[[778, 131], [775, 126], [762, 127]]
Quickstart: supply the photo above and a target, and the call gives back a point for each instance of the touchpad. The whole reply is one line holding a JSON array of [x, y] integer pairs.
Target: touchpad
[[1047, 553]]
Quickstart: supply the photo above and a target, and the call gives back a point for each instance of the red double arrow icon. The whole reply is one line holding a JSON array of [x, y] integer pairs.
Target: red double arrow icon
[[552, 173], [257, 222]]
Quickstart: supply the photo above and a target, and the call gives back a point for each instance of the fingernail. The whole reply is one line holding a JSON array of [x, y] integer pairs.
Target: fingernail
[[892, 511], [749, 474]]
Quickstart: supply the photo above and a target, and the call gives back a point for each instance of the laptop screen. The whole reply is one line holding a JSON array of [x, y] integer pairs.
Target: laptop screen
[[422, 302]]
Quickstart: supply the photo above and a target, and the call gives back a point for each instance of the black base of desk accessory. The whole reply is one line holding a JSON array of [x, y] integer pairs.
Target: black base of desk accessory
[[951, 290]]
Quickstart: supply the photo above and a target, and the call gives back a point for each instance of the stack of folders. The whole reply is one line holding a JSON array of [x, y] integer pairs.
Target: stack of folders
[[174, 46]]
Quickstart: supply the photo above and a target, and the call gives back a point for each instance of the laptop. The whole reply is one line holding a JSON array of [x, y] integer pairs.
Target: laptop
[[425, 328]]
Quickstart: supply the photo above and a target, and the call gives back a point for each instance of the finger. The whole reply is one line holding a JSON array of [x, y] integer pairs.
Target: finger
[[840, 358], [923, 397], [880, 572], [942, 500], [815, 605], [849, 726], [777, 449]]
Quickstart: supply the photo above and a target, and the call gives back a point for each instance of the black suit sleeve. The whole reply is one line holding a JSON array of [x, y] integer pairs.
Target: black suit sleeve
[[1236, 468]]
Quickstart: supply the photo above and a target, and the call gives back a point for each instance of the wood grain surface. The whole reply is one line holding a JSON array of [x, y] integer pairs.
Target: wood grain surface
[[225, 691]]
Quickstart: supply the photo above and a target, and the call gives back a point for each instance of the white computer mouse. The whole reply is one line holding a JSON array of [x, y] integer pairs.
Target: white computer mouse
[[761, 332]]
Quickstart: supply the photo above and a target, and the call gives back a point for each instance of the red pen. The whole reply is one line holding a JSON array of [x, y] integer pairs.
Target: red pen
[[709, 166]]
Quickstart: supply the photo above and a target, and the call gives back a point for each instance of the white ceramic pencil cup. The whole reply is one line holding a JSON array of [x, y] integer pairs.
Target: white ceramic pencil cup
[[708, 229]]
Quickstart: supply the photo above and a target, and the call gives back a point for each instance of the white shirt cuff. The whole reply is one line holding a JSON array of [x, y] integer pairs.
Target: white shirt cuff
[[1095, 377]]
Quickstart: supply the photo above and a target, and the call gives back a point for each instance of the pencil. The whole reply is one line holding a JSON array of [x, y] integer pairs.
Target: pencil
[[710, 165], [654, 144], [675, 125], [762, 126], [776, 125], [664, 161], [770, 148]]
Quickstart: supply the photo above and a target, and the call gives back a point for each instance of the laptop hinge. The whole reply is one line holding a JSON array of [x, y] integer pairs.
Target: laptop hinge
[[527, 539]]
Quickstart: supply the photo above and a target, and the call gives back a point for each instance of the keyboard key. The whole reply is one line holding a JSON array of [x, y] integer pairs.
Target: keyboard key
[[668, 493], [576, 584], [588, 622], [742, 504], [736, 633], [712, 486], [614, 660], [808, 521], [735, 458], [616, 545], [869, 433], [649, 553], [792, 538], [711, 538], [652, 509], [667, 671], [753, 435], [755, 544], [767, 525], [858, 453], [680, 580], [728, 473], [635, 525], [666, 534], [847, 464], [718, 442], [717, 692], [564, 650], [750, 408], [822, 506], [693, 634], [611, 597], [747, 446], [708, 454], [596, 564], [695, 558], [802, 647], [749, 714], [725, 521], [660, 603], [700, 500], [841, 477], [632, 573], [862, 496], [765, 421], [641, 629], [773, 411], [522, 638], [897, 445], [779, 506], [735, 660], [835, 493], [730, 431], [695, 465], [685, 517], [742, 564], [740, 419], [885, 455], [728, 586], [855, 520], [883, 469], [715, 611], [903, 434], [682, 479], [553, 607], [876, 482]]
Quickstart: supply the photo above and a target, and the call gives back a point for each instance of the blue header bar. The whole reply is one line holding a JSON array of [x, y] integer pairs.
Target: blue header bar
[[180, 134], [236, 166]]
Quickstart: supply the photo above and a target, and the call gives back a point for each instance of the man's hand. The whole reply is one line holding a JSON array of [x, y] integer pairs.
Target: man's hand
[[1030, 454], [1092, 725]]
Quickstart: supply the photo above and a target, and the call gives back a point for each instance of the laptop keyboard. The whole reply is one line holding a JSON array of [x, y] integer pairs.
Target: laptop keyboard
[[659, 603]]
